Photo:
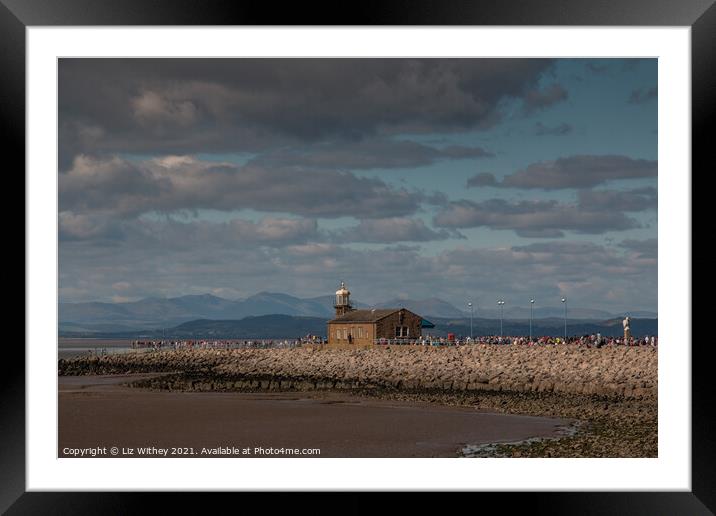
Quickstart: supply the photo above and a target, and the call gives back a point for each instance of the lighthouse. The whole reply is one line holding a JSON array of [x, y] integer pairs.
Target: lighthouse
[[371, 326], [343, 301]]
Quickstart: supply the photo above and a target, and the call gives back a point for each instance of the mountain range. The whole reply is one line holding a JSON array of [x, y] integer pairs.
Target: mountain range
[[291, 327], [156, 313]]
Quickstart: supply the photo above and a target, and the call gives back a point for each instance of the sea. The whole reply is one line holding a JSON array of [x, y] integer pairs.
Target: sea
[[69, 348]]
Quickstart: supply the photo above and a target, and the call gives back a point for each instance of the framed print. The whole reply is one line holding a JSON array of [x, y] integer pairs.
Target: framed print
[[417, 249]]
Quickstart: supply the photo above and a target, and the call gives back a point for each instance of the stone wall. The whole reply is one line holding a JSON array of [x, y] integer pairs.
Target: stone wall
[[359, 338], [620, 372]]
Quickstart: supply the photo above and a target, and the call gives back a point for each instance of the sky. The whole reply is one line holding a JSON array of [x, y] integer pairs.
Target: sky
[[463, 179]]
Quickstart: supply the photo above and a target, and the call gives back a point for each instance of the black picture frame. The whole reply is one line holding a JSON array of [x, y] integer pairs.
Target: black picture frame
[[17, 15]]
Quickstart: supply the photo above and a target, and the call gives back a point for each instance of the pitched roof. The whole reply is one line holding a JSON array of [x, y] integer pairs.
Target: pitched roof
[[426, 324], [365, 315]]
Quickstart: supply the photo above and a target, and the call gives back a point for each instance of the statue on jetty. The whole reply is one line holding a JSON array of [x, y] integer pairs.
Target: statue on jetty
[[627, 329]]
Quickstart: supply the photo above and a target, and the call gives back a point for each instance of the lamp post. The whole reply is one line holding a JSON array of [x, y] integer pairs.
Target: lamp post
[[564, 300], [501, 303], [471, 312], [532, 304]]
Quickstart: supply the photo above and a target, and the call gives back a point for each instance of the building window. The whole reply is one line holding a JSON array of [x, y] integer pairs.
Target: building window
[[401, 331]]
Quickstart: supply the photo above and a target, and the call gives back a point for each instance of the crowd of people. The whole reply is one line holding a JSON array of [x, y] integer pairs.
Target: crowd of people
[[163, 344], [593, 340]]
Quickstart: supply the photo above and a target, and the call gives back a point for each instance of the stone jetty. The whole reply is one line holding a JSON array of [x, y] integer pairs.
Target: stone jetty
[[617, 372]]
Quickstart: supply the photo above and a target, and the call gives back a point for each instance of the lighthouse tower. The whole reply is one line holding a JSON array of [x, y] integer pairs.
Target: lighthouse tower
[[343, 301]]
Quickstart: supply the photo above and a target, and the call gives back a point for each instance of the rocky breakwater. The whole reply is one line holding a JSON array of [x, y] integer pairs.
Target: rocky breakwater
[[612, 372]]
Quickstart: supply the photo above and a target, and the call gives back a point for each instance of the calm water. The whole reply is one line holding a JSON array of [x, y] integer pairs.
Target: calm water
[[69, 348]]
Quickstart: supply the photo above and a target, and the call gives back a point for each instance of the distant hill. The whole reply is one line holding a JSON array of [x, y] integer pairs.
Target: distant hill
[[543, 327], [155, 313], [260, 327], [432, 307], [640, 314], [69, 328], [542, 312], [279, 326], [328, 301], [267, 303], [149, 312]]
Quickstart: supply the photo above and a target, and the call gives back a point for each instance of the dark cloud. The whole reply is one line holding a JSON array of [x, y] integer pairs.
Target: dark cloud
[[155, 235], [643, 95], [647, 249], [614, 280], [273, 230], [78, 226], [398, 229], [615, 66], [537, 99], [597, 67], [558, 130], [111, 185], [464, 152], [170, 233], [596, 211], [543, 218], [482, 179], [133, 184], [639, 199], [580, 171], [126, 189], [235, 232], [179, 106], [539, 233], [538, 250], [368, 154]]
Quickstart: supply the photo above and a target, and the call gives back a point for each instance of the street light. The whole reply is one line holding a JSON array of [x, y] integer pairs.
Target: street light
[[564, 300], [470, 305], [532, 304], [501, 303]]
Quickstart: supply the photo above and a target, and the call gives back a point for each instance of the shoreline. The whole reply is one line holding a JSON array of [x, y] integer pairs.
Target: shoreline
[[613, 395], [602, 426], [101, 412]]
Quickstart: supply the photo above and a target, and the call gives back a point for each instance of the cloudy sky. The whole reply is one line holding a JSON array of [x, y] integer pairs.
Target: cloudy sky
[[465, 179]]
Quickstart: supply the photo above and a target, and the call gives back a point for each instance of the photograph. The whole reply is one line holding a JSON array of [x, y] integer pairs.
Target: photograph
[[357, 257]]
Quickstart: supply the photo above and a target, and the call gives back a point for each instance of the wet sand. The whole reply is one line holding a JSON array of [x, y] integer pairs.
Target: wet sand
[[99, 412]]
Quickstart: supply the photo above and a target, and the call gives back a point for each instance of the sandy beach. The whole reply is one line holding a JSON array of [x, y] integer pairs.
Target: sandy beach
[[99, 412], [394, 402]]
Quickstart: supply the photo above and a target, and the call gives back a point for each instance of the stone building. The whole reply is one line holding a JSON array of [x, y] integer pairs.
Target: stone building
[[365, 327]]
